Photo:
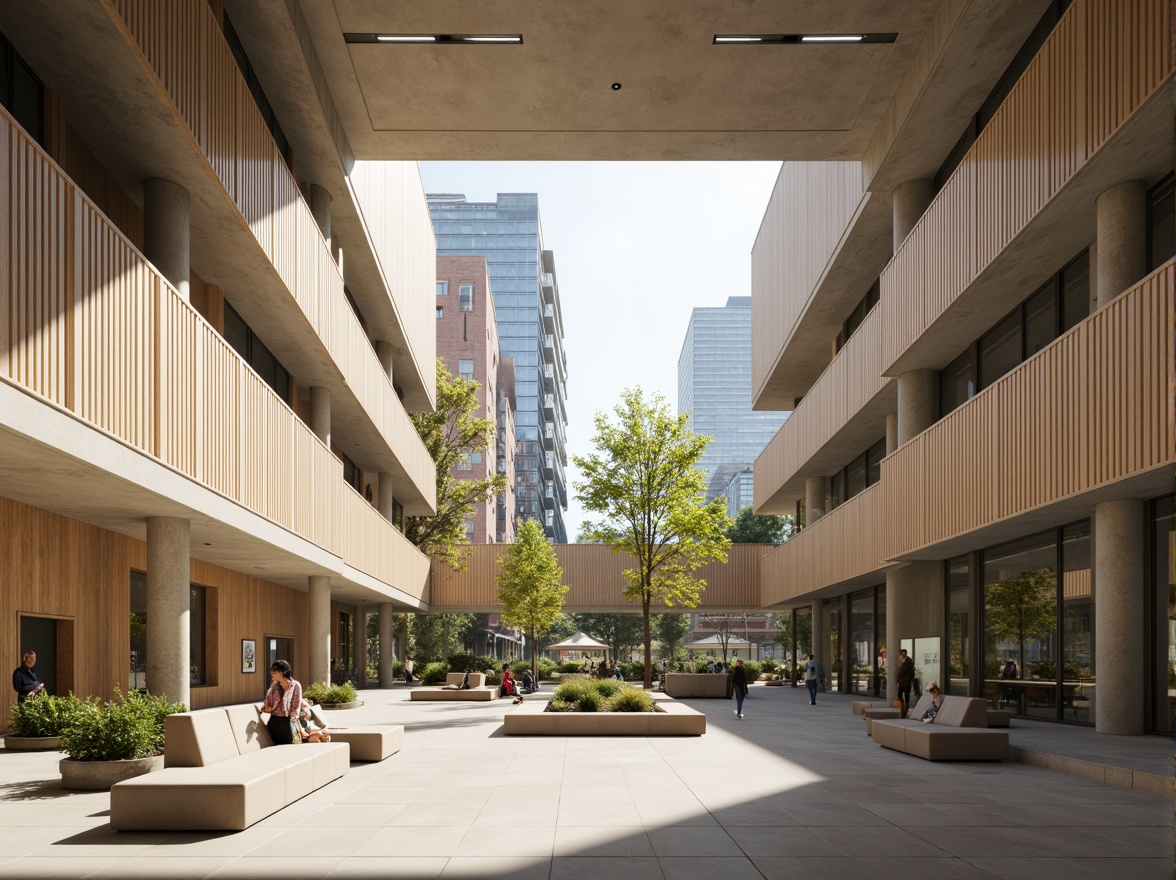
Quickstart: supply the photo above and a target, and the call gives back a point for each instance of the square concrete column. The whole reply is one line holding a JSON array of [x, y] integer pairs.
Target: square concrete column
[[914, 610], [169, 608], [320, 413], [909, 202], [1121, 257], [387, 624], [918, 403], [816, 499], [318, 625], [1120, 617], [166, 232]]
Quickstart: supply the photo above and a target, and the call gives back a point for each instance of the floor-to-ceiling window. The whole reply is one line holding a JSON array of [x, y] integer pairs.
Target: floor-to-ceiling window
[[1077, 672], [957, 681], [835, 628], [867, 622], [803, 645], [1163, 605]]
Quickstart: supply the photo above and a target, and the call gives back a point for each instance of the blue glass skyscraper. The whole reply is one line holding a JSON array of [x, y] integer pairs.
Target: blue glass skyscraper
[[508, 233]]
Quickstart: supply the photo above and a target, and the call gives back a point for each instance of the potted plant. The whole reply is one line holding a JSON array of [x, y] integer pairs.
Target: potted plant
[[335, 696], [36, 724], [110, 741]]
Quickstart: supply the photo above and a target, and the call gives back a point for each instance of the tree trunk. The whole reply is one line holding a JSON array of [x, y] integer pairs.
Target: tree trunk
[[534, 657], [648, 641]]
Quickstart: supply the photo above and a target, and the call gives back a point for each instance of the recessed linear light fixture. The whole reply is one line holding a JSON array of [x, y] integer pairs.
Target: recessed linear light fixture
[[774, 39], [436, 39]]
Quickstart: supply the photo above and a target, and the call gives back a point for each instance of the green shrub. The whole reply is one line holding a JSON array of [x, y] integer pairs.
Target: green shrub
[[635, 671], [131, 726], [630, 699], [769, 665], [43, 715], [330, 694], [569, 666], [434, 673], [753, 670], [607, 687], [600, 695]]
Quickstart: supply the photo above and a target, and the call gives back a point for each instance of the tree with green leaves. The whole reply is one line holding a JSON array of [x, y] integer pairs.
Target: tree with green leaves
[[644, 480], [749, 528], [452, 434], [671, 630], [529, 586], [435, 636], [1022, 609], [621, 632]]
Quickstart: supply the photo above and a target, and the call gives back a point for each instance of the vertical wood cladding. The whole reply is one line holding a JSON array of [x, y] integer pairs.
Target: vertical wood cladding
[[375, 547], [59, 567], [1104, 59]]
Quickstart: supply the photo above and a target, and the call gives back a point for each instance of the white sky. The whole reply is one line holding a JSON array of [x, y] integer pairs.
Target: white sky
[[637, 246]]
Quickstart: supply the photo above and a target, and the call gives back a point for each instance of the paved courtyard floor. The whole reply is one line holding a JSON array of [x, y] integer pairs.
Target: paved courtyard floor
[[792, 790]]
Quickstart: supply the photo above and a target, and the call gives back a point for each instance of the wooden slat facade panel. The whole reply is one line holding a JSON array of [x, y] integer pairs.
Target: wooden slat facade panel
[[848, 383], [809, 211], [845, 543], [595, 579], [1088, 410], [375, 547], [1102, 61]]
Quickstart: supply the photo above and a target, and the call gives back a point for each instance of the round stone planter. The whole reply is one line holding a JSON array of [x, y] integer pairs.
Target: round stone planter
[[100, 775], [352, 705], [32, 743]]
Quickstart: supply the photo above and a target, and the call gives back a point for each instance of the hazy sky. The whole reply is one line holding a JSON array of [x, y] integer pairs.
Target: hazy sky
[[637, 246]]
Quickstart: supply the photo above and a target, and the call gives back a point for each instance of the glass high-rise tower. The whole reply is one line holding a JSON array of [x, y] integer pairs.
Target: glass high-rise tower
[[508, 233], [714, 389]]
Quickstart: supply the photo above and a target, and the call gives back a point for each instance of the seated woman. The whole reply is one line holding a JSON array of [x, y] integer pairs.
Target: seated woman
[[509, 687], [312, 730], [936, 702], [528, 682]]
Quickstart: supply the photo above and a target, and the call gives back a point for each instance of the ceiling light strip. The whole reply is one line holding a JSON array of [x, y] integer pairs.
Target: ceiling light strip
[[437, 39], [816, 39]]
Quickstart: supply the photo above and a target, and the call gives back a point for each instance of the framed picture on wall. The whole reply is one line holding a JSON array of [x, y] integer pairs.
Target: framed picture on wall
[[248, 655]]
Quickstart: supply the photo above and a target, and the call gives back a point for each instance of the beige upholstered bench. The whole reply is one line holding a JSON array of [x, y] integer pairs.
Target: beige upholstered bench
[[369, 743], [860, 706], [959, 733], [222, 773], [887, 713], [478, 690]]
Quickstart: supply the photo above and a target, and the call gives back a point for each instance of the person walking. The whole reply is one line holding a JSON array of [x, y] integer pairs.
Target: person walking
[[904, 677], [408, 670], [812, 677], [739, 685]]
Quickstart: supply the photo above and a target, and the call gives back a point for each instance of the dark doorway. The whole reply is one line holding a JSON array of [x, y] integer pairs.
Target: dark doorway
[[40, 634], [278, 648]]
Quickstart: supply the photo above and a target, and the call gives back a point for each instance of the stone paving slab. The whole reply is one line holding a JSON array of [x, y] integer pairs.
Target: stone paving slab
[[792, 790]]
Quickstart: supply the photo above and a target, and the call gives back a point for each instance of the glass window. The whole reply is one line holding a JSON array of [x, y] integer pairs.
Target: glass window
[[440, 312], [197, 633], [956, 384], [465, 370], [880, 632], [837, 489], [1020, 625], [957, 679], [1163, 579], [874, 456], [442, 288], [196, 607], [352, 475], [1041, 320], [1076, 291], [1000, 349], [1077, 626], [855, 477], [1161, 224], [465, 294], [861, 622], [832, 661]]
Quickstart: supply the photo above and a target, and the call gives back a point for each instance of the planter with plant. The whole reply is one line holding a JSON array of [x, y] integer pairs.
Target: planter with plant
[[37, 723], [335, 696], [114, 740]]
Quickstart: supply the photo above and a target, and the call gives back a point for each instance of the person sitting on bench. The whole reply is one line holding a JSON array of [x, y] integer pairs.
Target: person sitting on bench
[[528, 682], [464, 686]]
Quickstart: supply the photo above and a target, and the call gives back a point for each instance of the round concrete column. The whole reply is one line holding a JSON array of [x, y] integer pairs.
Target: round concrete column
[[891, 432], [384, 353], [169, 608], [820, 647], [918, 403], [1120, 625], [909, 202], [816, 493], [1121, 257], [166, 232], [402, 641], [320, 209], [384, 497], [387, 620], [318, 624], [320, 413]]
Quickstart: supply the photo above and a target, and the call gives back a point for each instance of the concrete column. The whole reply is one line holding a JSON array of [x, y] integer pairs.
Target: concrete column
[[891, 432], [820, 646], [166, 232], [914, 610], [320, 209], [1120, 579], [918, 403], [318, 625], [169, 608], [320, 413], [402, 641], [359, 645], [816, 494], [1121, 259], [384, 353], [384, 497], [909, 202], [386, 625]]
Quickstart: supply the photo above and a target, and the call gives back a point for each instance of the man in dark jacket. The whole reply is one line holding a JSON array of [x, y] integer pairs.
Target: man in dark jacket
[[905, 675], [25, 680], [739, 685]]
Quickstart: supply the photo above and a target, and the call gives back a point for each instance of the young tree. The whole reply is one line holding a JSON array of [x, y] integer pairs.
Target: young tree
[[434, 636], [671, 630], [766, 529], [529, 586], [451, 434], [644, 480]]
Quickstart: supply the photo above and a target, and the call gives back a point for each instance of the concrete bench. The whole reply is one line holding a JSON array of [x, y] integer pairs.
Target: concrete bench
[[478, 690], [859, 707], [696, 684], [368, 743], [222, 773], [959, 733]]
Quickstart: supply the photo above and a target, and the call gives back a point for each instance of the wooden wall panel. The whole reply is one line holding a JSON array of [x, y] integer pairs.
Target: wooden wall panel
[[848, 542], [1103, 60], [848, 384], [1089, 410], [375, 547], [595, 578], [809, 211]]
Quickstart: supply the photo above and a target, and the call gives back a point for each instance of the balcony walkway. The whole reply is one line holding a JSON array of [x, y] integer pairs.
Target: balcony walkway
[[791, 791]]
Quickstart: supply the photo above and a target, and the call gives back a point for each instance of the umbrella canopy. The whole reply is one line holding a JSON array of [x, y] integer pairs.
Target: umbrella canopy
[[579, 642]]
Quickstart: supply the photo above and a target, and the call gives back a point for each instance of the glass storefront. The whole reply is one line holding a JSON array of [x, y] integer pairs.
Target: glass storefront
[[956, 677], [868, 640], [1163, 613], [834, 627]]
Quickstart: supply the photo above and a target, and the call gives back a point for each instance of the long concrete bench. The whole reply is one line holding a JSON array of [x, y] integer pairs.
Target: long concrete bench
[[478, 690], [222, 773], [704, 685], [959, 733], [368, 743], [859, 707]]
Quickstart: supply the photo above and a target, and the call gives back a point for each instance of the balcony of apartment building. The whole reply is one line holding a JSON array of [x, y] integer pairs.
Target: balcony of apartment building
[[219, 178], [119, 397]]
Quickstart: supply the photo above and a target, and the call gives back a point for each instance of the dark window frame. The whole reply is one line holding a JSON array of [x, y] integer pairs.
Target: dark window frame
[[839, 481], [12, 65], [237, 50], [252, 354]]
